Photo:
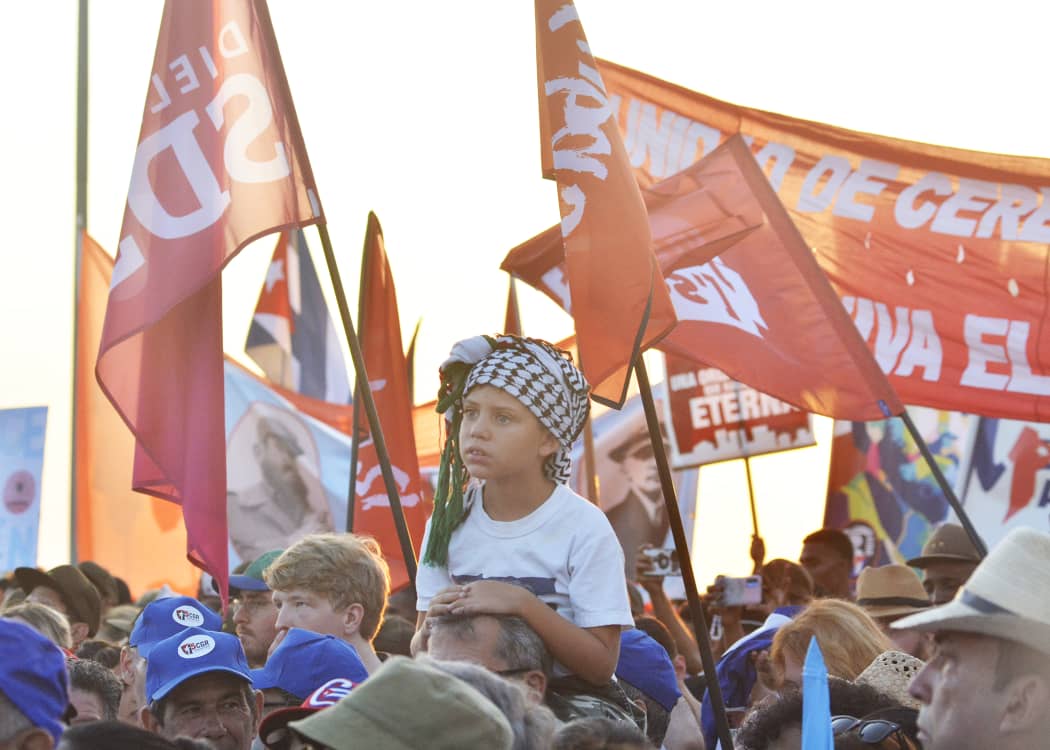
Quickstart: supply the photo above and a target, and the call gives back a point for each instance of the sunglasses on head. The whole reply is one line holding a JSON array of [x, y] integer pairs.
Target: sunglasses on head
[[870, 731]]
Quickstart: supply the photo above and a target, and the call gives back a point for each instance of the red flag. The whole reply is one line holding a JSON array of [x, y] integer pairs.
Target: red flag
[[220, 162], [388, 373], [619, 305], [748, 293]]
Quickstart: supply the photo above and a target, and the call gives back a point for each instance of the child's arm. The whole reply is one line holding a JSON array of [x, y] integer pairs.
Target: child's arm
[[590, 653]]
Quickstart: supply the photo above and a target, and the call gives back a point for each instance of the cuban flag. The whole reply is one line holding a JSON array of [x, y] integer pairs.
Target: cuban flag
[[291, 336]]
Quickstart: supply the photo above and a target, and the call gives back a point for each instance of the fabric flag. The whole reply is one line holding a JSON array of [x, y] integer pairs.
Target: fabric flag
[[880, 489], [816, 702], [940, 254], [619, 305], [750, 299], [388, 372], [21, 465], [291, 335], [220, 162], [141, 539]]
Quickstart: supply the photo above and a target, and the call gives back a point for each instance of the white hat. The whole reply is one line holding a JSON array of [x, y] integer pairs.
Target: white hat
[[1006, 597]]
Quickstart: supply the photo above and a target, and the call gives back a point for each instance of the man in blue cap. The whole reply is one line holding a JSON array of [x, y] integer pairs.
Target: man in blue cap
[[198, 685], [302, 663], [160, 619], [254, 613], [34, 692]]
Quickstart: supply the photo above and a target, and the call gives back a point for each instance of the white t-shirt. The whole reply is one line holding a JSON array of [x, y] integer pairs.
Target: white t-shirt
[[565, 552]]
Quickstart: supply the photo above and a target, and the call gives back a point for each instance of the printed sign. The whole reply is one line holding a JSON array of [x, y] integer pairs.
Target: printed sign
[[21, 464]]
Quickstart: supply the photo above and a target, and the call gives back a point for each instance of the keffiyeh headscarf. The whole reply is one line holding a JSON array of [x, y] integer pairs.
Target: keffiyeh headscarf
[[541, 377]]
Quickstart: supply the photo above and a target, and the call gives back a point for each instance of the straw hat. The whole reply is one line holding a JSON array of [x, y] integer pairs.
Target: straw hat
[[1004, 598], [890, 673], [948, 543], [891, 591]]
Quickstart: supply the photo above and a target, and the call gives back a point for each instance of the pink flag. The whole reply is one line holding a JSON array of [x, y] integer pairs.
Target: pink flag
[[220, 162]]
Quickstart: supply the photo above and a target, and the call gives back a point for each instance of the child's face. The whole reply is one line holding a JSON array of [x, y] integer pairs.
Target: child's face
[[500, 438], [309, 610]]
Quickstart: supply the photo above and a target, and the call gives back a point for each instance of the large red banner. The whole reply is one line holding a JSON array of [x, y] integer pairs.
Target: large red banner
[[939, 254], [220, 162]]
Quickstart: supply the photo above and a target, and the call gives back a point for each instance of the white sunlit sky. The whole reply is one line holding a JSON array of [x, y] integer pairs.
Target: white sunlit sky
[[426, 113]]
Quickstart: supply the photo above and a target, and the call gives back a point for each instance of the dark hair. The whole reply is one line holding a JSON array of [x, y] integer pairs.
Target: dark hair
[[123, 592], [837, 539], [92, 677], [657, 718], [599, 733], [658, 632], [104, 652], [764, 725], [790, 577], [116, 735], [395, 636]]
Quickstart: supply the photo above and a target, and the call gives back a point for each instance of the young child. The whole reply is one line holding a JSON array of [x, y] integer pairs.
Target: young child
[[520, 542], [332, 584]]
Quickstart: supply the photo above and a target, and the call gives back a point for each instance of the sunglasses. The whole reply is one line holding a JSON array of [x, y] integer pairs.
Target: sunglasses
[[870, 731]]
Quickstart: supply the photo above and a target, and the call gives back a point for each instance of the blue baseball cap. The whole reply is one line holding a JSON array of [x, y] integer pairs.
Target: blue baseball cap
[[644, 663], [193, 652], [165, 617], [33, 676], [252, 577], [304, 661]]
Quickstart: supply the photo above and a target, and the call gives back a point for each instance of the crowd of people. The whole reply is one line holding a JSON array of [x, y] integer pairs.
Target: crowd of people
[[522, 629]]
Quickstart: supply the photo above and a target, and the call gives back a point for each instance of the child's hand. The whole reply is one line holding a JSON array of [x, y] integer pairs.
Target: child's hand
[[490, 598], [441, 601]]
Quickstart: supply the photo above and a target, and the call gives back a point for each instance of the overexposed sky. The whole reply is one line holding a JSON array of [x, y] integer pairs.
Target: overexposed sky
[[426, 113]]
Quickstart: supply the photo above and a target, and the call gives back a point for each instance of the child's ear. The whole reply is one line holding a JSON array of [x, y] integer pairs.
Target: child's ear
[[550, 445]]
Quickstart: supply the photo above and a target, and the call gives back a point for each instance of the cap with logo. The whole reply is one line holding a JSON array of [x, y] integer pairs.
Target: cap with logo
[[644, 663], [304, 660], [77, 592], [252, 577], [163, 618], [272, 730], [948, 543], [191, 653], [33, 675]]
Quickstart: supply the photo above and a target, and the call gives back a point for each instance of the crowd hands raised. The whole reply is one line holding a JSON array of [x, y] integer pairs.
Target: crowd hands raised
[[523, 629]]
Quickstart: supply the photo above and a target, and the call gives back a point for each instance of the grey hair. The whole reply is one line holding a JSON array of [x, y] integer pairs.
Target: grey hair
[[518, 644], [12, 720], [533, 724], [47, 621]]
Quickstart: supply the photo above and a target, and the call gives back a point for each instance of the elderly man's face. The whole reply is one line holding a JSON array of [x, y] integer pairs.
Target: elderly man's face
[[211, 707], [961, 705]]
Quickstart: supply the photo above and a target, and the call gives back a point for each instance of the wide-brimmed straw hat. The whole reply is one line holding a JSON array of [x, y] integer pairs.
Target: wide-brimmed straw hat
[[891, 591], [1006, 597]]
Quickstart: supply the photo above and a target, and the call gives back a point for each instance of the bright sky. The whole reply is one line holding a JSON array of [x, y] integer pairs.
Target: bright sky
[[426, 113]]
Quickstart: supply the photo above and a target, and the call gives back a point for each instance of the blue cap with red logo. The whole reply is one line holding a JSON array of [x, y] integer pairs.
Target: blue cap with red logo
[[190, 653], [163, 618], [33, 676], [304, 661]]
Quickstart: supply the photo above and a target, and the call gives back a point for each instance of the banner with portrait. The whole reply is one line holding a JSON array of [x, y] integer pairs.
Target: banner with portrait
[[21, 464]]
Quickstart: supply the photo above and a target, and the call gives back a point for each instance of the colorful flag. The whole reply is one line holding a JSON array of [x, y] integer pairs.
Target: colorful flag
[[880, 489], [619, 305], [291, 336], [220, 162], [140, 538], [21, 465], [939, 254], [387, 370]]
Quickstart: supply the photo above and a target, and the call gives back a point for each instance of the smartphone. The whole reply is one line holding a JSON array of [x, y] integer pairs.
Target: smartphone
[[741, 592], [665, 562]]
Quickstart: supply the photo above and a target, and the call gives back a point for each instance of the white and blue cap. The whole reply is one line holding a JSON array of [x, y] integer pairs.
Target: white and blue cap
[[163, 618], [193, 652], [304, 661]]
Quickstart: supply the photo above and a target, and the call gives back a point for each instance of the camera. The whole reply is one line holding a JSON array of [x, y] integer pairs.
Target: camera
[[664, 562], [740, 592]]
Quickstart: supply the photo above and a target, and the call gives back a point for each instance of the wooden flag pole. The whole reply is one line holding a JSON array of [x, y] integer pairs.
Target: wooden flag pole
[[949, 495], [681, 544], [364, 391]]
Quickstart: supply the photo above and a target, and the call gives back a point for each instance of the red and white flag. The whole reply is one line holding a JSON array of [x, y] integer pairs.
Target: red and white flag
[[220, 162], [618, 302], [388, 374]]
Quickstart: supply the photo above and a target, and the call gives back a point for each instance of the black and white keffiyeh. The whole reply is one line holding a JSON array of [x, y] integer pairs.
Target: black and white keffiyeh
[[541, 377]]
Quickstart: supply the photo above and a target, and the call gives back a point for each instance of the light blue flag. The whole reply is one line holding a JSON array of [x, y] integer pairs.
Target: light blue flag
[[21, 463], [816, 704]]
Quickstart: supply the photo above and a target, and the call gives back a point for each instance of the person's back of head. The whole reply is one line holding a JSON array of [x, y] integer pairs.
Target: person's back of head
[[785, 583], [116, 735], [94, 690], [599, 733], [849, 639], [343, 568], [395, 636]]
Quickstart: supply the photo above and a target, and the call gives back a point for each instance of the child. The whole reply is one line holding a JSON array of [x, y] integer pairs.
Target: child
[[521, 542], [332, 584]]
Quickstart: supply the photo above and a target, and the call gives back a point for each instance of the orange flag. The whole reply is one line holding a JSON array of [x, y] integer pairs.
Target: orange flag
[[142, 540], [619, 301], [385, 362], [220, 162]]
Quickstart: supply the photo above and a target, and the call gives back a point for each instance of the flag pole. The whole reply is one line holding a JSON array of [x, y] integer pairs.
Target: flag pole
[[81, 228], [949, 495], [355, 427], [681, 544], [364, 391]]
